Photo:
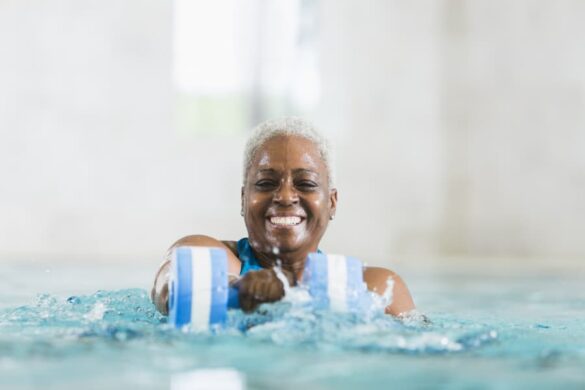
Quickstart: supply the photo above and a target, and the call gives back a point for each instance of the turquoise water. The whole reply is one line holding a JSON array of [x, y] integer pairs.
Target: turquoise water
[[522, 331]]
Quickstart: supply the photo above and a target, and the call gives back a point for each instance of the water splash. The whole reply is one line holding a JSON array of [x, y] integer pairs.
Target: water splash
[[296, 321], [128, 314], [283, 279], [112, 314]]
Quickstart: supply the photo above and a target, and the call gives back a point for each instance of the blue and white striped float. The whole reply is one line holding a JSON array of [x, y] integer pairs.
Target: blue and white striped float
[[199, 293], [334, 281], [198, 288]]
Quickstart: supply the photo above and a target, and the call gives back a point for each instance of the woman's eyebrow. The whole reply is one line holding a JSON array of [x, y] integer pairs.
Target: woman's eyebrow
[[266, 170], [295, 171], [304, 170]]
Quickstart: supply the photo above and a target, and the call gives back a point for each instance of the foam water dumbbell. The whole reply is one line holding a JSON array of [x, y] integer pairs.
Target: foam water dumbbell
[[200, 295], [335, 282]]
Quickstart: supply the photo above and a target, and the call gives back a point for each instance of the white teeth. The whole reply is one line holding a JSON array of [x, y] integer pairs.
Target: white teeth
[[288, 221]]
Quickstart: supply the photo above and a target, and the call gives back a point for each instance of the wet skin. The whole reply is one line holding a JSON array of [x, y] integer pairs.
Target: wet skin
[[287, 202]]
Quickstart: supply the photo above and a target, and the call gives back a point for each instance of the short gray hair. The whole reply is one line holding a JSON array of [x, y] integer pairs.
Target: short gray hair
[[289, 126]]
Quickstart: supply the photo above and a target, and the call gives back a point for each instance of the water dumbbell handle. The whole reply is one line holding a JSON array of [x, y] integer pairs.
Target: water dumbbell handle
[[233, 298]]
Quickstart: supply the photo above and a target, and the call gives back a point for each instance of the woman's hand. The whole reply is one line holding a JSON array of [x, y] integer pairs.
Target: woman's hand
[[261, 286], [254, 288]]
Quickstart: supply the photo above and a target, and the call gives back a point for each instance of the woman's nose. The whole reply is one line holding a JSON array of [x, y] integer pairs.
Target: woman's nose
[[286, 194]]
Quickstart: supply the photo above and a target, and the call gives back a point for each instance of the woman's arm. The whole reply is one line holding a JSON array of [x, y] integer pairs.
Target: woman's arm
[[160, 290], [377, 280]]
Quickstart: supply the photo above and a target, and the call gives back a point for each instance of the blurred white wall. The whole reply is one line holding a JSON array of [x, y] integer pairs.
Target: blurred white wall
[[459, 127], [463, 126], [90, 162], [381, 85], [513, 116]]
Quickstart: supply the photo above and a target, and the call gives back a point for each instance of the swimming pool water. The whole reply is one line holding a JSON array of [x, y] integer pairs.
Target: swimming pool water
[[525, 330]]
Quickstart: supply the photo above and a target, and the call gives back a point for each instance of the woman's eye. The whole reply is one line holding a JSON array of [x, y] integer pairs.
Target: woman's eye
[[307, 185], [264, 184]]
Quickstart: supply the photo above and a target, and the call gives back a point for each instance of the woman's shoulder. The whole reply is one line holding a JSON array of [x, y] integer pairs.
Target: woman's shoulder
[[377, 279], [231, 247], [203, 240]]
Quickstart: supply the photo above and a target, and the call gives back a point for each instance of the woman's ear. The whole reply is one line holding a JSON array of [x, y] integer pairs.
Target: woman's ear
[[242, 202], [332, 203]]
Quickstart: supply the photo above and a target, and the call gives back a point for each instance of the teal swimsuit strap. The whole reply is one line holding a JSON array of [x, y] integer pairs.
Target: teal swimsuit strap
[[249, 262]]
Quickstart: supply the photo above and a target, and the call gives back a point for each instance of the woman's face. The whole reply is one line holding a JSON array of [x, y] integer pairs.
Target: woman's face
[[286, 199]]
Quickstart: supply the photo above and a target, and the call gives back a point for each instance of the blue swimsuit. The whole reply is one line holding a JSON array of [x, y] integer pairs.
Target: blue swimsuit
[[249, 262]]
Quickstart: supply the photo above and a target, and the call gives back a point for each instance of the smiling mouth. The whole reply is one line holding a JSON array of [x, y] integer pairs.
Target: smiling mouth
[[285, 221]]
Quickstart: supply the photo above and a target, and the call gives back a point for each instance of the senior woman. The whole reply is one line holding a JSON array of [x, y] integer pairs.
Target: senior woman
[[288, 200]]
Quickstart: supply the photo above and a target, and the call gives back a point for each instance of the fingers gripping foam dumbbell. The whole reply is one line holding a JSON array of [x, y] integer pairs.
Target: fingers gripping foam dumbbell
[[334, 281]]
